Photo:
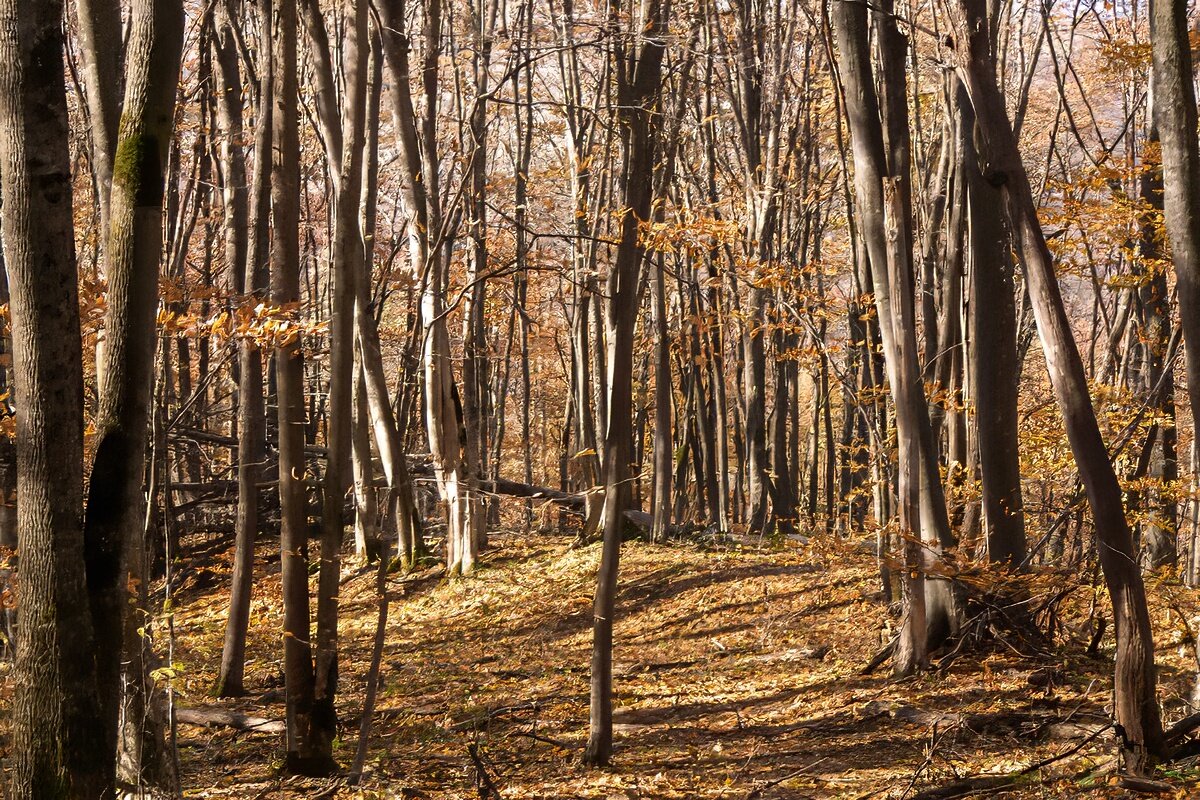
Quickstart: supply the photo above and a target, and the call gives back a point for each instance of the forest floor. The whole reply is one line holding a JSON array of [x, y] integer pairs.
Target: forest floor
[[738, 676]]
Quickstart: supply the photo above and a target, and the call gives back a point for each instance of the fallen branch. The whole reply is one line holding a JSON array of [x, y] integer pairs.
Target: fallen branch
[[483, 782], [984, 783], [210, 717], [1175, 733], [537, 737]]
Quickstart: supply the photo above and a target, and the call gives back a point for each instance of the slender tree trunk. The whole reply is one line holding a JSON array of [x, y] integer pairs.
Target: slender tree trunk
[[366, 503], [1135, 702], [664, 449], [639, 86], [1175, 119], [305, 754], [101, 47], [1160, 530], [418, 151], [883, 211], [347, 257], [246, 251]]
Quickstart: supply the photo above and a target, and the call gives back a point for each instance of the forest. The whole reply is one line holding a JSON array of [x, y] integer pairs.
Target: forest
[[599, 399]]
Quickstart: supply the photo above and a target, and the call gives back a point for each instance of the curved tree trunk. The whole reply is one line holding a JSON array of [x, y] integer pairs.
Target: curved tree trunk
[[1135, 702], [115, 505]]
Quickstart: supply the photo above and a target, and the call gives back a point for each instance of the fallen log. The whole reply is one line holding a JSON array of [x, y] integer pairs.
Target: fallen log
[[573, 501], [219, 717], [419, 466]]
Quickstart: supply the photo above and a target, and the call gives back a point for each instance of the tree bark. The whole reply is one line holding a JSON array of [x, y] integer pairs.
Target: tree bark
[[883, 210], [995, 371], [1135, 703], [305, 752], [1175, 118], [247, 253], [639, 86], [115, 503], [55, 750]]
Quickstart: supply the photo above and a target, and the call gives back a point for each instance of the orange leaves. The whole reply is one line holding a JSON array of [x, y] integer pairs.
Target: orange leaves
[[1121, 57], [688, 232], [267, 326]]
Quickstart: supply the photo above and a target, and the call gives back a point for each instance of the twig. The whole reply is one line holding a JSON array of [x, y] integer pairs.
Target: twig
[[880, 657], [934, 738], [483, 782], [984, 783], [757, 792], [1181, 729], [537, 737]]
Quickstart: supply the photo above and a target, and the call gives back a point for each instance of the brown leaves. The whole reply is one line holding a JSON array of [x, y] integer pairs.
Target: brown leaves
[[267, 326]]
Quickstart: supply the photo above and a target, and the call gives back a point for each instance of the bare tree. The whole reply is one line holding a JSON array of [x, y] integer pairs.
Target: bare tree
[[55, 747], [638, 68], [1136, 704]]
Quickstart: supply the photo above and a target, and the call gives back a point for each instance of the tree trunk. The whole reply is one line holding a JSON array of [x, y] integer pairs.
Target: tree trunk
[[101, 47], [429, 265], [882, 208], [305, 754], [1135, 703], [115, 503], [247, 251], [54, 750], [639, 85], [1157, 381], [995, 371], [1175, 118], [347, 258]]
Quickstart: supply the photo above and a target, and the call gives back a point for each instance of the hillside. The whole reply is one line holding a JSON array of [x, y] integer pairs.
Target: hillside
[[738, 676]]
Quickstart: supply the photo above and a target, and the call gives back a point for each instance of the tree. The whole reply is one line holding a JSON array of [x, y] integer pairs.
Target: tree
[[995, 369], [115, 504], [248, 255], [55, 749], [429, 253], [1175, 118], [308, 752], [883, 207], [638, 69], [1135, 703]]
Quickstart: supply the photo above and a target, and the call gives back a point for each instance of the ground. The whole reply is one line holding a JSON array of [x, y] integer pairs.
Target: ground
[[739, 675]]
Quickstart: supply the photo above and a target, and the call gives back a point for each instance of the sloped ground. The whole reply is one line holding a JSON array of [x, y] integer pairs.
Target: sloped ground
[[738, 677]]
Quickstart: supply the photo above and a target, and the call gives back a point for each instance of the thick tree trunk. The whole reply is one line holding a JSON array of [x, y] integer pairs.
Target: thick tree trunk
[[54, 750], [995, 371], [115, 504]]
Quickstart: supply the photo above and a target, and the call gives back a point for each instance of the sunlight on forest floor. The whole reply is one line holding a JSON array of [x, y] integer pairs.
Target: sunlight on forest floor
[[738, 676]]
